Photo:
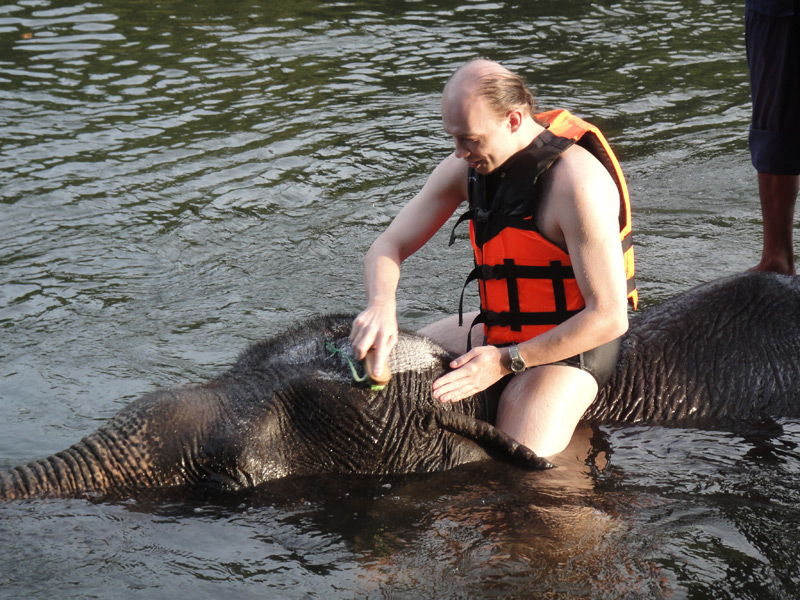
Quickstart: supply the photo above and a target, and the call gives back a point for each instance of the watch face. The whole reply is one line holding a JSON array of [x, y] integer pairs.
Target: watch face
[[517, 364]]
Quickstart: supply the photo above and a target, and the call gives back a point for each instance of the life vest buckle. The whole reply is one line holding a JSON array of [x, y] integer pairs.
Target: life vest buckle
[[492, 272]]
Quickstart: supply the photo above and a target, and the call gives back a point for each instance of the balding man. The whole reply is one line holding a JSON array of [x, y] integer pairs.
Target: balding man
[[550, 228]]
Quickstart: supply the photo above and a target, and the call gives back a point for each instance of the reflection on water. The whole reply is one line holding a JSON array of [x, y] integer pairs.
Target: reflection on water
[[177, 179]]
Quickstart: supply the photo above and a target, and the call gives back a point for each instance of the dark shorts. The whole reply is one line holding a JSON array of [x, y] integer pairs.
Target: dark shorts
[[599, 362], [773, 57]]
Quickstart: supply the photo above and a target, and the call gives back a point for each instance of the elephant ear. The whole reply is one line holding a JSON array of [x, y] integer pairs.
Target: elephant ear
[[496, 443]]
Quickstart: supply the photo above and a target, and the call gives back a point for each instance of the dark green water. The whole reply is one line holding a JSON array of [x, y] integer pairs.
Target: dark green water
[[180, 178]]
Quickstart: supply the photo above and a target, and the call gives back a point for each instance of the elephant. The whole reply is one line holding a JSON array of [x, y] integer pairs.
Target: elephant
[[290, 406]]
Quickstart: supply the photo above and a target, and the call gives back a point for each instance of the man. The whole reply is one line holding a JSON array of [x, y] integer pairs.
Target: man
[[574, 211], [772, 31]]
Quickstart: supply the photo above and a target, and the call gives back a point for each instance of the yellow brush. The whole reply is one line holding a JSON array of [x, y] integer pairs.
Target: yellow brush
[[369, 365]]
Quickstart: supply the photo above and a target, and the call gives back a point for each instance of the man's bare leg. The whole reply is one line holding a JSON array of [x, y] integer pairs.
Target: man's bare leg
[[450, 336], [778, 195], [541, 407]]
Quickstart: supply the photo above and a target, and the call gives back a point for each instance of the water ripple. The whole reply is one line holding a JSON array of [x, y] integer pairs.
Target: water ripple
[[177, 178]]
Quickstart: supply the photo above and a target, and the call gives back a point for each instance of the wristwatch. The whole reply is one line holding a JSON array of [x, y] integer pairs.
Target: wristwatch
[[517, 364]]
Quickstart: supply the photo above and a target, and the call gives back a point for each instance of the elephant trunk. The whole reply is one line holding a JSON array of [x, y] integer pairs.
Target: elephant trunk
[[89, 467]]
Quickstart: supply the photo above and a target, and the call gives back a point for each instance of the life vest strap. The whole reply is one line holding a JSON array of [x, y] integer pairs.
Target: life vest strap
[[517, 321], [507, 319], [473, 275], [631, 288], [509, 270], [465, 217], [627, 242], [515, 318]]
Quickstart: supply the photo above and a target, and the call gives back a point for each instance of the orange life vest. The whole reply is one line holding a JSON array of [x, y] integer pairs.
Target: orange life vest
[[527, 285]]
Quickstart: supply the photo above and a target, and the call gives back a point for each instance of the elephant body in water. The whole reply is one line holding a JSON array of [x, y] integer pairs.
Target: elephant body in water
[[727, 350]]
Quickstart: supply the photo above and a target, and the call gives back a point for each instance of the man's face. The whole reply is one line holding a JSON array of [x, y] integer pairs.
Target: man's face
[[482, 138]]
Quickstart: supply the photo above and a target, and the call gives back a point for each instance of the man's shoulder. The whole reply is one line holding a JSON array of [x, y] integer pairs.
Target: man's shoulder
[[578, 157], [577, 168], [578, 185]]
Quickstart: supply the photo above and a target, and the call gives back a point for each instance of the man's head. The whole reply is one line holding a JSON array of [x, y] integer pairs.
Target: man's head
[[488, 111]]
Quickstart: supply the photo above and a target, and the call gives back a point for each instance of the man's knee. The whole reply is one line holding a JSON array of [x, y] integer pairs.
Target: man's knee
[[542, 407]]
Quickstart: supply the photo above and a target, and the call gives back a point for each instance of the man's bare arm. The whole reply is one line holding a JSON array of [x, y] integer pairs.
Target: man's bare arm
[[585, 209], [415, 224]]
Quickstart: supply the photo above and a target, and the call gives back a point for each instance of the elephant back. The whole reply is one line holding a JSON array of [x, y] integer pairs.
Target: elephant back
[[722, 351]]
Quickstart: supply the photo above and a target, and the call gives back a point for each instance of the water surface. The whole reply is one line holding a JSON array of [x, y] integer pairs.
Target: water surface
[[179, 179]]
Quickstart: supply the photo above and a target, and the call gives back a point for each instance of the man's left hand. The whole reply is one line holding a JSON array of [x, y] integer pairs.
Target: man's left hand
[[473, 372]]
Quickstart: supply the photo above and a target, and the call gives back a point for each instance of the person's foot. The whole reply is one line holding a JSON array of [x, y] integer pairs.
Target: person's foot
[[775, 266], [777, 194]]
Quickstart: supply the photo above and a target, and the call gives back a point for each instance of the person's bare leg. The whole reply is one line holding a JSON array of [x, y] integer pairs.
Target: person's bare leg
[[778, 196], [541, 407], [450, 336]]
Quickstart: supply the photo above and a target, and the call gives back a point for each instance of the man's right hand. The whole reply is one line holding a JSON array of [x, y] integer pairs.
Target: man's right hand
[[375, 328]]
